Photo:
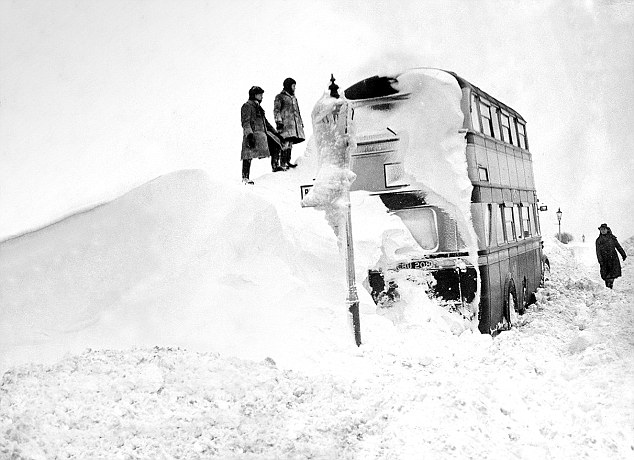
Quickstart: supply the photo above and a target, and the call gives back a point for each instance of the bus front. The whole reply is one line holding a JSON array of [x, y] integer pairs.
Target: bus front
[[387, 121]]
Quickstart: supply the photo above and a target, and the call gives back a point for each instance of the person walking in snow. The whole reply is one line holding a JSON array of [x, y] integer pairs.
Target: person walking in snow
[[607, 245], [288, 121], [259, 138]]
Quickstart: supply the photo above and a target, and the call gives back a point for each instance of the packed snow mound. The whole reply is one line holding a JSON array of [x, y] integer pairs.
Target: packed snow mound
[[180, 261], [58, 278]]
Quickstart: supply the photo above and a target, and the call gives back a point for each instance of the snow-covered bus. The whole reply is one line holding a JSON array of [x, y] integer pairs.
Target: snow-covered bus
[[391, 130]]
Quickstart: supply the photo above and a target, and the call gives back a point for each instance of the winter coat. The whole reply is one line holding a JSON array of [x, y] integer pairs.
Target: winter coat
[[254, 121], [286, 113], [607, 245]]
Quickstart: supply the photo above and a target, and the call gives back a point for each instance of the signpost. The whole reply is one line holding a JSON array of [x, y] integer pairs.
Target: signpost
[[341, 159], [303, 190]]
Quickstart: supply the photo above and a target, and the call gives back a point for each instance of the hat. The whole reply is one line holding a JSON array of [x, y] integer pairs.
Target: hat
[[603, 226], [255, 90], [288, 82]]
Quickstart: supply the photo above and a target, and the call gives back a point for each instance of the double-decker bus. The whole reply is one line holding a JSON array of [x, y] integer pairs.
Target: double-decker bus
[[504, 207]]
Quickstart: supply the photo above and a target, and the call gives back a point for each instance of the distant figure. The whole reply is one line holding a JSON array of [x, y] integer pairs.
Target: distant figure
[[607, 245], [288, 121], [583, 238], [259, 139]]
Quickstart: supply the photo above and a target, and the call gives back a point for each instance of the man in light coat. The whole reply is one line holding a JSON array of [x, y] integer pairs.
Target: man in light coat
[[259, 138], [288, 121]]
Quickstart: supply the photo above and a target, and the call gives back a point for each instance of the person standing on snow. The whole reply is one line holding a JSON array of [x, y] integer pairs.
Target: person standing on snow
[[607, 245], [288, 121], [259, 138]]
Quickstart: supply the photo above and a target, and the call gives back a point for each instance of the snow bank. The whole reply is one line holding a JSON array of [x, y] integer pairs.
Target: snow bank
[[557, 386], [181, 261], [229, 271]]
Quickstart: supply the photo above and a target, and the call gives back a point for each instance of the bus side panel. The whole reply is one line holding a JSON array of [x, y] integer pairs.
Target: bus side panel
[[504, 267], [495, 294], [523, 271], [537, 267], [485, 303]]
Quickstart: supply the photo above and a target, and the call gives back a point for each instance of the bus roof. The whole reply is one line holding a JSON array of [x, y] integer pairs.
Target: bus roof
[[382, 86]]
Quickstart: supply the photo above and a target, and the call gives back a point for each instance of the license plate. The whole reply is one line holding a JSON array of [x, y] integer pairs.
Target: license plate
[[416, 265]]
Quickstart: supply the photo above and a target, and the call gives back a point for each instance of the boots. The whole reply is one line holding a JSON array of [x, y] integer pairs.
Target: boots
[[275, 162], [286, 158], [246, 169]]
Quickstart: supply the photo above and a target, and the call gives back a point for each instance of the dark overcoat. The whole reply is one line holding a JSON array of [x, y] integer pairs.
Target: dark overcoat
[[254, 121], [607, 245], [286, 113]]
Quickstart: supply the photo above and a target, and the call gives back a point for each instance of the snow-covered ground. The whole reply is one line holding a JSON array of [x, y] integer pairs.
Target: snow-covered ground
[[196, 318]]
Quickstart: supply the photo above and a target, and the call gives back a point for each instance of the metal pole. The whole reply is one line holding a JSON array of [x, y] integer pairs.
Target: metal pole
[[353, 299]]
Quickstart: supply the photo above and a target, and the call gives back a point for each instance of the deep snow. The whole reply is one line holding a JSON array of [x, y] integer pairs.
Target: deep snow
[[196, 318]]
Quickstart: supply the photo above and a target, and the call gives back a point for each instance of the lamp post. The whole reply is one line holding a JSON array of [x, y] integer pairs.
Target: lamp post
[[559, 213], [333, 130], [353, 298]]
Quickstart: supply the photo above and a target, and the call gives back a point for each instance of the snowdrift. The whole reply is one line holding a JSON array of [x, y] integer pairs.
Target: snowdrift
[[180, 261]]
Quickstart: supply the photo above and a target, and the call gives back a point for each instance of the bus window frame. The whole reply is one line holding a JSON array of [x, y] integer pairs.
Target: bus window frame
[[510, 127], [505, 222], [525, 212], [500, 233], [517, 222], [488, 225], [487, 104], [521, 138], [434, 220], [537, 223], [475, 109]]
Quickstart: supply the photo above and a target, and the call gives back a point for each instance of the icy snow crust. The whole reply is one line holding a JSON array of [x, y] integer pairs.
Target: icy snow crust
[[251, 289]]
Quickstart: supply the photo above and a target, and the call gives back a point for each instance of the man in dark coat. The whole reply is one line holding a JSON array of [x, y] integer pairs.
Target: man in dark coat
[[288, 121], [607, 245], [259, 138]]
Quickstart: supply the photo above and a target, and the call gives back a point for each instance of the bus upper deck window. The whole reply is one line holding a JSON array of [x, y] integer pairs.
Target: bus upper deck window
[[495, 122], [521, 132], [507, 128], [485, 115]]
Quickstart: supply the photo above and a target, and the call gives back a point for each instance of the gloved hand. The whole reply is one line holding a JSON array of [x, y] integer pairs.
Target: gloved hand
[[251, 140], [279, 126]]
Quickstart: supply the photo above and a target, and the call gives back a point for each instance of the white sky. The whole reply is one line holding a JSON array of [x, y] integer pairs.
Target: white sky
[[96, 97]]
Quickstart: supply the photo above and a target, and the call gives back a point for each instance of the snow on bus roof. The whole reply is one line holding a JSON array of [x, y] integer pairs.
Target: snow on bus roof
[[382, 86]]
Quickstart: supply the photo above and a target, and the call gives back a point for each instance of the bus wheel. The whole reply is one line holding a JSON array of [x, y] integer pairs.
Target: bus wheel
[[511, 306]]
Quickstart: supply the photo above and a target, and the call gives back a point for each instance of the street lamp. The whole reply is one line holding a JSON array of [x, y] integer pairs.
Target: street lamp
[[559, 220]]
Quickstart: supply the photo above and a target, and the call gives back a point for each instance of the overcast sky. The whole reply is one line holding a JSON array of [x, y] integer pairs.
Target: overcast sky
[[99, 96]]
